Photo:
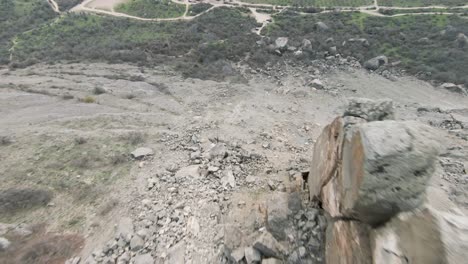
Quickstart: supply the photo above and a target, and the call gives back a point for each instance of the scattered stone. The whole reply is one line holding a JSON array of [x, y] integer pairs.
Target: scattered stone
[[75, 260], [124, 258], [370, 110], [453, 88], [140, 153], [462, 40], [281, 43], [192, 171], [306, 45], [269, 246], [228, 179], [145, 259], [176, 254], [218, 151], [375, 63], [124, 229], [4, 244], [237, 255], [252, 256], [136, 243], [316, 83], [321, 26], [271, 261]]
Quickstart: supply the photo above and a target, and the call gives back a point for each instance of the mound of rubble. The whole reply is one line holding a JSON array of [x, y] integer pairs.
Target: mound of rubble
[[370, 173]]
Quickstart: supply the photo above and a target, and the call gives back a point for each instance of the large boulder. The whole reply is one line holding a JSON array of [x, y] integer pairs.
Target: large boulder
[[425, 236], [326, 155], [140, 153], [321, 26], [370, 110], [386, 168], [374, 63], [454, 88], [347, 242], [268, 246], [462, 40]]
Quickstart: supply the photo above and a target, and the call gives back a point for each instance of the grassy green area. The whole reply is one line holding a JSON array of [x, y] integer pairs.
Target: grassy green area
[[198, 8], [317, 3], [439, 58], [17, 16], [415, 3], [201, 47], [423, 10], [151, 8]]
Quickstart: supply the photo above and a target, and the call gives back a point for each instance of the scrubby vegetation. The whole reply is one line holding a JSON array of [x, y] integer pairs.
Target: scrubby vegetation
[[151, 8], [317, 3], [425, 45], [198, 8], [389, 12], [200, 48], [18, 16], [412, 3], [65, 5]]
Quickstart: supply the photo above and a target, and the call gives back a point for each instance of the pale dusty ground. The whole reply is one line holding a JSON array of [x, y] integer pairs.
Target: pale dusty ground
[[167, 108]]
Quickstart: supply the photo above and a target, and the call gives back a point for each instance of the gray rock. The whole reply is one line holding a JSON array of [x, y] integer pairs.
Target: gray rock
[[124, 229], [462, 40], [228, 179], [252, 256], [281, 43], [136, 243], [124, 258], [144, 259], [297, 256], [271, 261], [218, 151], [370, 110], [140, 153], [375, 63], [387, 165], [176, 254], [192, 171], [237, 255], [74, 260], [306, 45], [453, 88], [321, 26], [278, 213], [316, 83], [4, 244], [269, 246], [332, 50]]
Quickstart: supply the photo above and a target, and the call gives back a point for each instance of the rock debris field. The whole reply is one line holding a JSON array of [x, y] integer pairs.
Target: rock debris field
[[139, 165]]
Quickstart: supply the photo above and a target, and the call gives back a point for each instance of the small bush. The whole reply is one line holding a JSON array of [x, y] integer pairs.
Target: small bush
[[130, 96], [99, 90], [88, 99], [134, 138], [118, 159], [19, 199]]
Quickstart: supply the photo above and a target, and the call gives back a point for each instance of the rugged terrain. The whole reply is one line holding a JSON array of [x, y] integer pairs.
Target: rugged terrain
[[220, 153]]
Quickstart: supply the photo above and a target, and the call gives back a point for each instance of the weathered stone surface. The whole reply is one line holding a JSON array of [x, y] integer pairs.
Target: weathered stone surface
[[425, 236], [370, 110], [281, 43], [144, 259], [176, 254], [192, 171], [347, 242], [218, 151], [4, 244], [321, 26], [252, 256], [124, 229], [269, 246], [271, 261], [136, 243], [375, 63], [386, 167], [280, 207], [140, 153], [326, 155]]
